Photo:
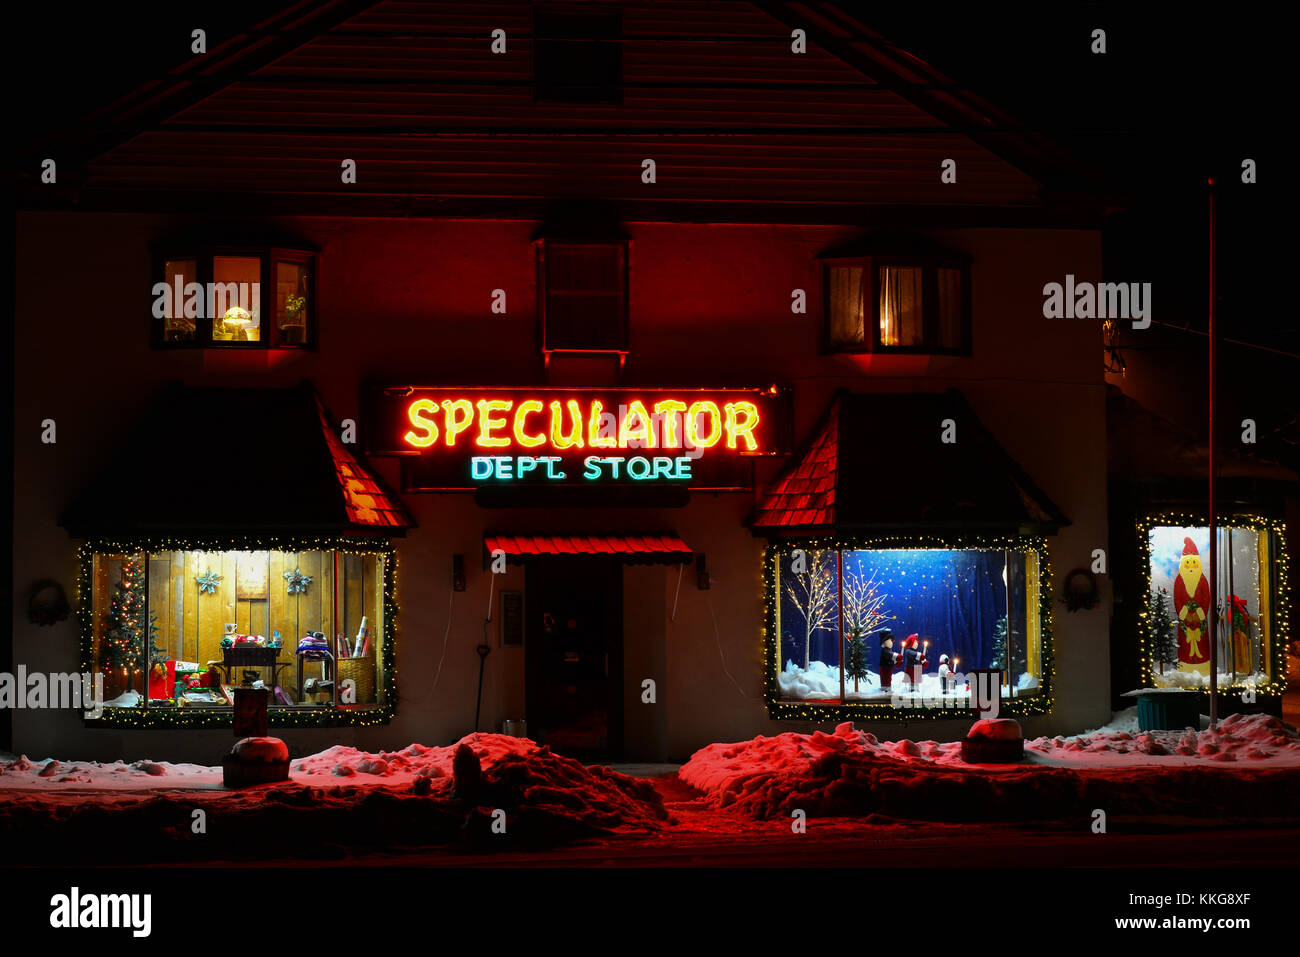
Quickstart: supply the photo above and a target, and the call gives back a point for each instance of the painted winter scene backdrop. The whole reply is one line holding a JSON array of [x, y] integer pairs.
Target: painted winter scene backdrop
[[955, 603], [1182, 588]]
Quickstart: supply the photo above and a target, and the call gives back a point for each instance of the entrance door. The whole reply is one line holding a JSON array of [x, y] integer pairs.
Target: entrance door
[[574, 655]]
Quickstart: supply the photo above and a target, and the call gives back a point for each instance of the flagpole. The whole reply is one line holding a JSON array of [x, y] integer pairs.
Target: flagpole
[[1211, 622]]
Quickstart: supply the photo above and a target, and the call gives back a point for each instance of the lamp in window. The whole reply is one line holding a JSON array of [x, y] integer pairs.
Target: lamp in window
[[239, 319]]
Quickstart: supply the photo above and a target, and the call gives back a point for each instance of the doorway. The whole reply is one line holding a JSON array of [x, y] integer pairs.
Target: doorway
[[573, 651]]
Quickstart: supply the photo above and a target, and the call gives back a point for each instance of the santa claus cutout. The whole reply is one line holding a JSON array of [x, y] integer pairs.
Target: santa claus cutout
[[1192, 606]]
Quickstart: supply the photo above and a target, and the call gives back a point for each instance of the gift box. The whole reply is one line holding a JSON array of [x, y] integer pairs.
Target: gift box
[[162, 685]]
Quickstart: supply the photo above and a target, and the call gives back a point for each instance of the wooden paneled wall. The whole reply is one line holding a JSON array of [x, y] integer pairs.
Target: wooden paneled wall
[[191, 623]]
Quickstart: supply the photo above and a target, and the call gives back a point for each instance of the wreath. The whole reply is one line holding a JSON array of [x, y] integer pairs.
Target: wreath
[[1080, 590], [297, 582], [48, 603], [208, 582]]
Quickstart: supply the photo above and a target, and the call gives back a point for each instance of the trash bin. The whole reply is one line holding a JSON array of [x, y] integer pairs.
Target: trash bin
[[515, 727], [1169, 711]]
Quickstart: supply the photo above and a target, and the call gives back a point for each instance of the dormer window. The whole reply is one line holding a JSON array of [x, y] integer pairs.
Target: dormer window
[[915, 300], [233, 297]]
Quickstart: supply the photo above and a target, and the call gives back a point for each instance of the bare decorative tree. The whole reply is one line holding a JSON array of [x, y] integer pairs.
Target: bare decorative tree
[[813, 592], [864, 602]]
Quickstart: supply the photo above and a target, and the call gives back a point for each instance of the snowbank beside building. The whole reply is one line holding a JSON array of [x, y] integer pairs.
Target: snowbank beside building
[[415, 796], [851, 772]]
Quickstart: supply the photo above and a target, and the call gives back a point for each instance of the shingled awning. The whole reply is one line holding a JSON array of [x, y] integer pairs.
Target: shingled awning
[[877, 462], [638, 549], [235, 462]]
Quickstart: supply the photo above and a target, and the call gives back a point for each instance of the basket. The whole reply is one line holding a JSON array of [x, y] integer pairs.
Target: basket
[[362, 672]]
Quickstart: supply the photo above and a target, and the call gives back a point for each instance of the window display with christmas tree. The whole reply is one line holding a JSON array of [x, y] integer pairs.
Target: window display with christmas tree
[[176, 630], [1242, 588], [967, 607]]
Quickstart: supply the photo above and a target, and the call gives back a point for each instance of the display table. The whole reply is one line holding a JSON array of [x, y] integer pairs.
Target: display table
[[253, 656], [327, 669], [1167, 709]]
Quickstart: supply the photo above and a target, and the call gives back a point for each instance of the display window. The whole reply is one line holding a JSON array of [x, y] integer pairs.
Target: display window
[[1244, 584], [174, 631], [883, 626]]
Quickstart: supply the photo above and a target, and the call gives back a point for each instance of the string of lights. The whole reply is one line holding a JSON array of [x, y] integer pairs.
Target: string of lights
[[277, 717], [1278, 596], [1038, 702]]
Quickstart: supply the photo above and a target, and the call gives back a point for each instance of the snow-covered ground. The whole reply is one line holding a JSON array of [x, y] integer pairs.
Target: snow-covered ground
[[518, 774], [853, 773], [821, 681]]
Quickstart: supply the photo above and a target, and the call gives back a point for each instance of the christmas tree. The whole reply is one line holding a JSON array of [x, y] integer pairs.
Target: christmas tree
[[157, 653], [999, 644], [855, 658], [1000, 649], [1166, 635], [127, 623]]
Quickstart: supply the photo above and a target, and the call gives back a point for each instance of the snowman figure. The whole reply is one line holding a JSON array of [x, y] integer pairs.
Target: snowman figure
[[945, 675]]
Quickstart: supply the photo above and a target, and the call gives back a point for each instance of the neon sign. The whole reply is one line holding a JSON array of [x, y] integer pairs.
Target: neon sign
[[461, 439]]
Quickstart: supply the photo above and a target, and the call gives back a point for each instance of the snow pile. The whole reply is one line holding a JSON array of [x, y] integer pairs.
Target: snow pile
[[22, 773], [415, 796], [765, 775], [853, 773], [516, 773], [821, 681], [1238, 737], [1195, 679]]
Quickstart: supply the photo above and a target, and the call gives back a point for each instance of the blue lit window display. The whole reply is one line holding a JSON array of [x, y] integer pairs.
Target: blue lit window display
[[949, 611]]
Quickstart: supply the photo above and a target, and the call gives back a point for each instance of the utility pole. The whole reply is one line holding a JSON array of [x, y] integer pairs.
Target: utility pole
[[1211, 622]]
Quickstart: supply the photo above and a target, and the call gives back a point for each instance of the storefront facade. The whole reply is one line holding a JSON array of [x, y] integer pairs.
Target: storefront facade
[[703, 648], [560, 433]]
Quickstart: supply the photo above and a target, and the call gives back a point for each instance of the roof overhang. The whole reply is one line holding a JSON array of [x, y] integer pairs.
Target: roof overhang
[[278, 469], [878, 464]]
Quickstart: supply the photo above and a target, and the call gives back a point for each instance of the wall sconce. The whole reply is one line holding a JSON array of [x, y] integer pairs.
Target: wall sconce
[[702, 580], [457, 572]]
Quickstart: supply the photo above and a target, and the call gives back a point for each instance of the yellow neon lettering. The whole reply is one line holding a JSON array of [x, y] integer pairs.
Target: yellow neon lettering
[[454, 424], [693, 437], [415, 413], [487, 423], [594, 438], [669, 411], [522, 411], [573, 439], [642, 434], [741, 430]]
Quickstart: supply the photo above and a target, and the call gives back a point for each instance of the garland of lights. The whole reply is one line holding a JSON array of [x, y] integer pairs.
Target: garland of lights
[[1020, 706], [145, 717], [1280, 599]]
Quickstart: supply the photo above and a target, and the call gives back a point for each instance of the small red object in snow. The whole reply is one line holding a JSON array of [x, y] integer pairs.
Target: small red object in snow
[[1001, 729], [993, 741], [255, 760]]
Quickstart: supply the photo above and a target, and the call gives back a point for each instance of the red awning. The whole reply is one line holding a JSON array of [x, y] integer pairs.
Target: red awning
[[636, 549], [804, 494], [365, 499]]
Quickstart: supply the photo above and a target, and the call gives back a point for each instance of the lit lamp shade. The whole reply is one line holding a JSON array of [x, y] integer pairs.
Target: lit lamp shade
[[239, 318]]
